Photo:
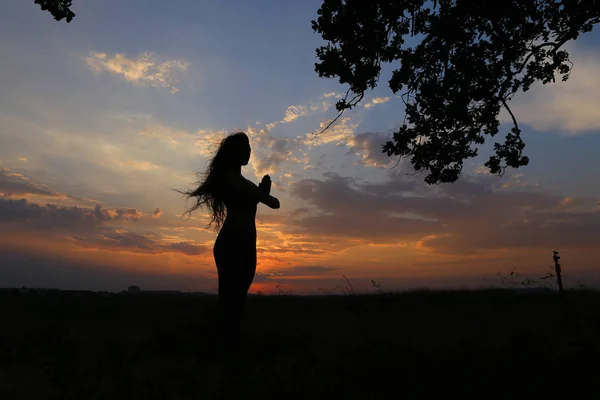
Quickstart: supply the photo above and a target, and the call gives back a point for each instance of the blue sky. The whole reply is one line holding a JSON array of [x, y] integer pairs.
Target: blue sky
[[123, 104]]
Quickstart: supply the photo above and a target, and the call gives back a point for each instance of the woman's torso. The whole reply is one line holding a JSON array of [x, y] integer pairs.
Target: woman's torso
[[241, 211]]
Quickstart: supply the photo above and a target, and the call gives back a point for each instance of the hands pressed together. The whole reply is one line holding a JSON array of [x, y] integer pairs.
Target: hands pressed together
[[265, 184]]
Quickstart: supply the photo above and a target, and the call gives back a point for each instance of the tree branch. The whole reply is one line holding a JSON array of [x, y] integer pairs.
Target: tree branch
[[511, 114], [517, 131], [331, 123], [556, 46], [355, 100]]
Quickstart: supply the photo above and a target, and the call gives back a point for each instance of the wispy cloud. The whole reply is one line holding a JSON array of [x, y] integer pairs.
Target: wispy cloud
[[165, 133], [143, 70], [340, 132], [14, 185], [207, 142], [320, 105], [292, 113], [375, 101], [141, 165]]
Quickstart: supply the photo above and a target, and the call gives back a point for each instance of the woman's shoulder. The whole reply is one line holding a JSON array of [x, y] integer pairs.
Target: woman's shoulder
[[236, 181], [249, 181]]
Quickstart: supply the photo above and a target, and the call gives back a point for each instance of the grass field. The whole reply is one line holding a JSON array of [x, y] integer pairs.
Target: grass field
[[486, 344]]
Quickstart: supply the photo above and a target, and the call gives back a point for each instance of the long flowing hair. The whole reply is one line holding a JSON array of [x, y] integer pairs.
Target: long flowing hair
[[211, 184]]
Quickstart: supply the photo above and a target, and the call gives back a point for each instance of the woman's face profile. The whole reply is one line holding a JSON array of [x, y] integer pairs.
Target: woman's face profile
[[245, 153]]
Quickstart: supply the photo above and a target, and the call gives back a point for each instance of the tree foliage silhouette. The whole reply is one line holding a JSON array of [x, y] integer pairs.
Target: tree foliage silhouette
[[58, 8], [469, 59]]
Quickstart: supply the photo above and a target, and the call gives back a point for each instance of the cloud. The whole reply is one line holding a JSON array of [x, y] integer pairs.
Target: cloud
[[375, 101], [116, 239], [52, 216], [96, 227], [322, 104], [120, 214], [187, 248], [341, 132], [469, 216], [294, 112], [203, 142], [271, 125], [144, 70], [518, 180], [283, 149], [279, 150], [346, 211], [123, 240], [270, 152], [16, 184], [369, 146], [166, 133], [207, 142], [141, 165], [570, 106]]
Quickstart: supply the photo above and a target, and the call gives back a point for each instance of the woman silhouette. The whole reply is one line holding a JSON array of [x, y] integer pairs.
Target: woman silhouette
[[232, 201]]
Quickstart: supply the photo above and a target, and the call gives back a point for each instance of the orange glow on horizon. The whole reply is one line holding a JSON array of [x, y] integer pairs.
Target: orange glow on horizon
[[295, 270]]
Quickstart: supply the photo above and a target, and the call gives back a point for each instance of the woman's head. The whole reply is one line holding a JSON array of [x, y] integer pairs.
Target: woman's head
[[233, 152]]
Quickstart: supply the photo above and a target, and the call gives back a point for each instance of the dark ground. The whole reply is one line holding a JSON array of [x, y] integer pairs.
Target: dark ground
[[480, 344]]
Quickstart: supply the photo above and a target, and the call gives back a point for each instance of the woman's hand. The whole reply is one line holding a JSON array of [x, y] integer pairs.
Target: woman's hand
[[265, 184]]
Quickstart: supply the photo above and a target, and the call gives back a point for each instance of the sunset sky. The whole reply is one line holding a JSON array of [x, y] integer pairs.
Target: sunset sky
[[102, 117]]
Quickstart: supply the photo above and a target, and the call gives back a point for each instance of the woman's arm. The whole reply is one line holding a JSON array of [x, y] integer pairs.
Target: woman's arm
[[245, 188]]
